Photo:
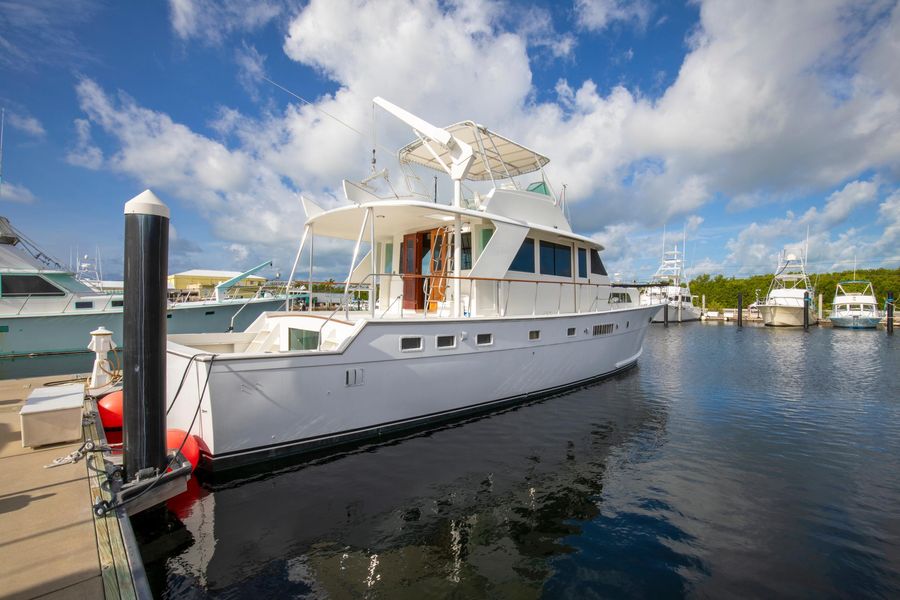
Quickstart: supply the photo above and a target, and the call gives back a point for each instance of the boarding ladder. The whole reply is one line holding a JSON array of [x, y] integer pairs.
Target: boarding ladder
[[441, 264]]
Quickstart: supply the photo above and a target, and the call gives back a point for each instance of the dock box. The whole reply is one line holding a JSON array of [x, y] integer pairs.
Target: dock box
[[52, 415]]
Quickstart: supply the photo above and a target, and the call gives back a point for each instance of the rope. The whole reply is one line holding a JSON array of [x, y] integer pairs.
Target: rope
[[102, 507]]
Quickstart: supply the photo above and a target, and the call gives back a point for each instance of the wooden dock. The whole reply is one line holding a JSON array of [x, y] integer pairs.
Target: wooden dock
[[52, 544]]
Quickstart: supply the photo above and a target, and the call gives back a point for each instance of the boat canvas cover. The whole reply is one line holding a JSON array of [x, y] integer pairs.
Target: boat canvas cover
[[496, 157]]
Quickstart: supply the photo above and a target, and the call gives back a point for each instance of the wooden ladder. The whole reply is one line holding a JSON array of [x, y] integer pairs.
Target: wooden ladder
[[441, 263]]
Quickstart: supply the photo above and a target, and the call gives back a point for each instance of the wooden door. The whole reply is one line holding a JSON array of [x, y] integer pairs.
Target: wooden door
[[411, 271]]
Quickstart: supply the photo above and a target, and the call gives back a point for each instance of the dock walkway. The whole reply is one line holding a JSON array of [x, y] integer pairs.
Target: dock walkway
[[51, 545]]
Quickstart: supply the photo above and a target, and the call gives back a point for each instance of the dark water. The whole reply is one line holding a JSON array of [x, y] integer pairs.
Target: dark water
[[750, 463]]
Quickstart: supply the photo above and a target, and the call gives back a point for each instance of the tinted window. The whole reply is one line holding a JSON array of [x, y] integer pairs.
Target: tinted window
[[582, 262], [446, 341], [524, 260], [484, 339], [556, 259], [466, 259], [597, 264], [534, 334], [411, 343], [27, 285]]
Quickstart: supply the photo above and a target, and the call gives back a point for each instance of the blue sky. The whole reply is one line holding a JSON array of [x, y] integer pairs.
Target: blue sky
[[744, 123]]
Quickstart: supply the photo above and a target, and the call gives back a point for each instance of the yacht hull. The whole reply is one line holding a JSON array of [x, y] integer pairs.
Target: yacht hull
[[784, 316], [855, 322], [260, 407], [688, 313], [25, 339]]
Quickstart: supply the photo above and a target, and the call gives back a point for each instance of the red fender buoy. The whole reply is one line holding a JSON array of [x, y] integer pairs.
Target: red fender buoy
[[110, 409], [191, 448]]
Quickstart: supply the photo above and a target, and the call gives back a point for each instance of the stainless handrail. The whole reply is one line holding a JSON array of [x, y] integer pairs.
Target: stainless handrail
[[344, 304]]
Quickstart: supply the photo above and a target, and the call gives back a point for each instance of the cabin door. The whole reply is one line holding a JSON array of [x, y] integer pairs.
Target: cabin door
[[411, 271]]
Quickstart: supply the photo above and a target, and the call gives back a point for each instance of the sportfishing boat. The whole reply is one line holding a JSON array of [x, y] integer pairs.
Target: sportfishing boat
[[474, 305], [790, 293], [671, 288], [855, 305], [45, 310]]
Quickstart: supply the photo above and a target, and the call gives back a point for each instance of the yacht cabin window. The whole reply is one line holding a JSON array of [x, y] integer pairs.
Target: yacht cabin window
[[27, 285], [445, 341], [410, 344], [534, 334], [597, 267], [524, 260], [582, 262], [556, 259], [484, 339]]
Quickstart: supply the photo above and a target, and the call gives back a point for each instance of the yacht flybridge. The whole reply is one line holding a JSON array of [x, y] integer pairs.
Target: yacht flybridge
[[855, 306], [474, 305], [671, 288], [790, 293]]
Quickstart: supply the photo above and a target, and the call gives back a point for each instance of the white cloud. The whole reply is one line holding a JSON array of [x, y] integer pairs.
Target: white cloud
[[11, 192], [251, 68], [815, 106], [84, 154], [212, 21], [35, 32], [27, 124], [756, 247], [243, 197], [596, 15]]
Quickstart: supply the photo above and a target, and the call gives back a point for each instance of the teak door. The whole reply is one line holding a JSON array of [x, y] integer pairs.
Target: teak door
[[411, 271]]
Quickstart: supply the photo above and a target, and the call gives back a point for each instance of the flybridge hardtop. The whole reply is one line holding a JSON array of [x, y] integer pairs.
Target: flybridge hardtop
[[495, 156], [470, 306]]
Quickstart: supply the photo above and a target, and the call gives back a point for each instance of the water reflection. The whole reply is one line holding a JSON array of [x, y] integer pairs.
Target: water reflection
[[475, 509], [752, 463]]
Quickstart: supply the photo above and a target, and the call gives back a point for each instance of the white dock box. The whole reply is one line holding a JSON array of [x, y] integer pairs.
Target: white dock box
[[52, 415]]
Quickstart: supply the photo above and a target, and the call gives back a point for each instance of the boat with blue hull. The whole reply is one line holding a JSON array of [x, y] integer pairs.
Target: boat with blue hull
[[855, 306], [46, 311]]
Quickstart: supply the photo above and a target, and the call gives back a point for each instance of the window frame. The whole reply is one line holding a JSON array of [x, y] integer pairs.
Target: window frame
[[532, 337], [57, 294], [419, 348], [522, 255], [490, 341], [437, 341]]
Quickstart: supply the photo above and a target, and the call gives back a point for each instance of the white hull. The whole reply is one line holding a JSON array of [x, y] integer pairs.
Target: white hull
[[261, 406], [784, 316], [33, 336], [688, 313]]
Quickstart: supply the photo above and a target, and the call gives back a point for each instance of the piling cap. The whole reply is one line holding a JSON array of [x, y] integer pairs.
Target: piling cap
[[146, 203]]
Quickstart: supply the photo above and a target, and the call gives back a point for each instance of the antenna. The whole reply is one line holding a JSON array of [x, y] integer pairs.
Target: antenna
[[664, 242], [2, 121]]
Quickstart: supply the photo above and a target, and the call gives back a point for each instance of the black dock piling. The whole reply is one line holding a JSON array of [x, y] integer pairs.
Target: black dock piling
[[144, 330], [740, 314], [805, 310], [889, 324], [665, 314]]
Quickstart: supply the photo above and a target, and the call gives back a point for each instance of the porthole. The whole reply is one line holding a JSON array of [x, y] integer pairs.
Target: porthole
[[445, 342], [84, 304], [570, 332], [534, 334], [484, 339], [410, 344]]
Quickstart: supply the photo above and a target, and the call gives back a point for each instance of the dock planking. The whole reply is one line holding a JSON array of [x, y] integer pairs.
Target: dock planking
[[53, 543]]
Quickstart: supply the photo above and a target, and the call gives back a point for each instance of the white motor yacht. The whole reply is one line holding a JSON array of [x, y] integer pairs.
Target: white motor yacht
[[855, 306], [671, 288], [46, 311], [475, 305], [790, 293]]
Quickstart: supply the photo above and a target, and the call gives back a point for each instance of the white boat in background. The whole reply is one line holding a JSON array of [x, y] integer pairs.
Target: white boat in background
[[671, 288], [788, 293], [476, 305], [46, 311], [856, 307]]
